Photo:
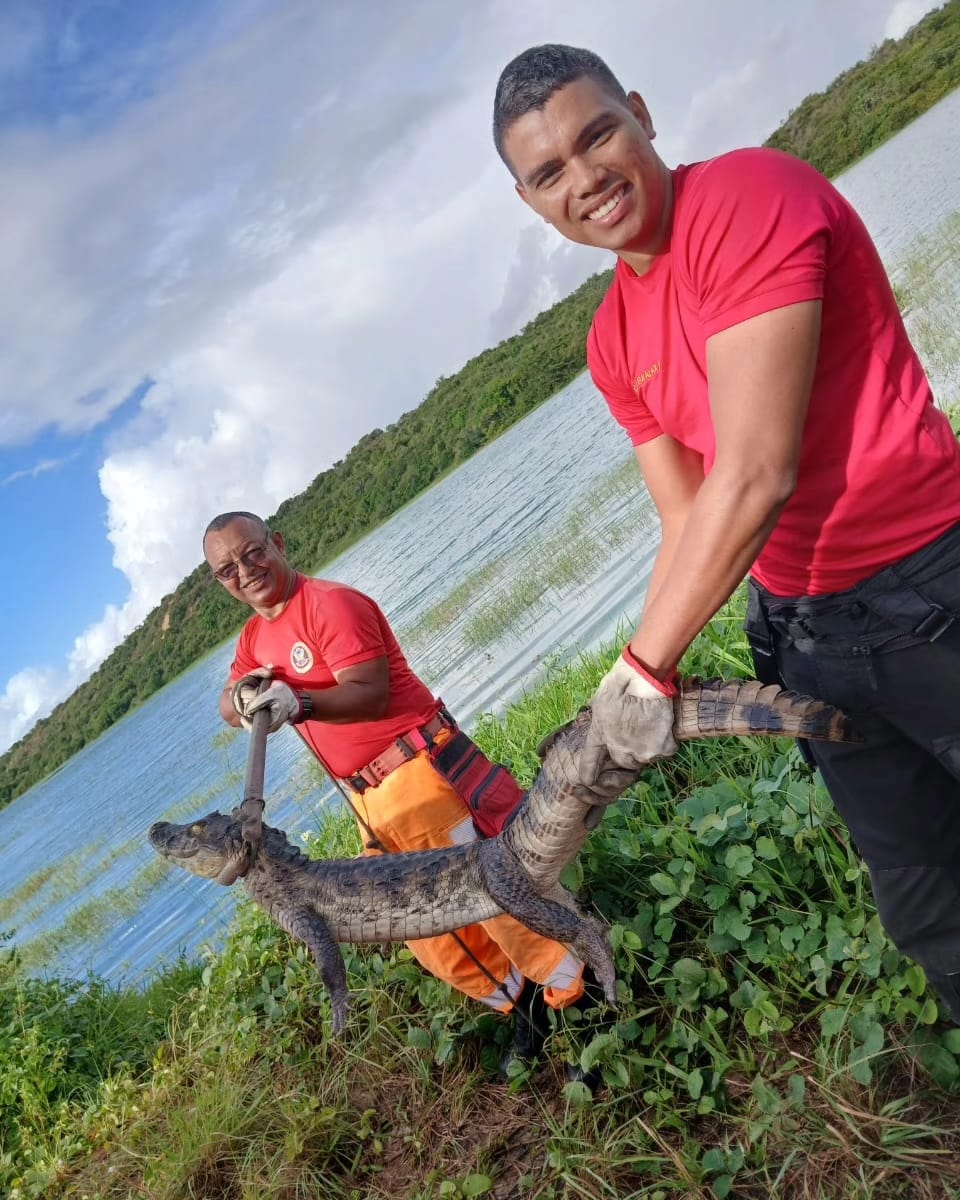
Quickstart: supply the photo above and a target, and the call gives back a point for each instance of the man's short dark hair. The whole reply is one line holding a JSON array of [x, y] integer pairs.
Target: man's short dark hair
[[228, 518], [528, 81]]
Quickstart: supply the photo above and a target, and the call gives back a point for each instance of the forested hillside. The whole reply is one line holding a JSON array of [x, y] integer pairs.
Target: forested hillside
[[869, 103], [388, 467]]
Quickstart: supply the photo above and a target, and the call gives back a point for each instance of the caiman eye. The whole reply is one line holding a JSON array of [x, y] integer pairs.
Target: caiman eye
[[198, 830]]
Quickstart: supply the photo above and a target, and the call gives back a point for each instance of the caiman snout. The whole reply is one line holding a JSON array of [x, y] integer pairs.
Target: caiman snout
[[173, 841], [202, 847], [157, 835]]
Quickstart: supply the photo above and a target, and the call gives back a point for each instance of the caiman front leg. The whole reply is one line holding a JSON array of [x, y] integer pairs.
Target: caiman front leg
[[310, 928], [511, 887]]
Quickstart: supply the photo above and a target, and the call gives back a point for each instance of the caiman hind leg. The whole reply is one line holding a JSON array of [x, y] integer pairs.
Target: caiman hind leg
[[511, 887]]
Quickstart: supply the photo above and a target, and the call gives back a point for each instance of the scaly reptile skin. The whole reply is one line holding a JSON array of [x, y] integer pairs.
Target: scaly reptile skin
[[399, 897]]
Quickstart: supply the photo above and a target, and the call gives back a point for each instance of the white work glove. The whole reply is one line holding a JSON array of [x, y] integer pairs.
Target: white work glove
[[610, 781], [246, 690], [284, 704], [632, 721]]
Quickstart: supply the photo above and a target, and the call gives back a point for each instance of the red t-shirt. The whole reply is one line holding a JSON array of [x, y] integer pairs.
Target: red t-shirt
[[752, 231], [326, 627]]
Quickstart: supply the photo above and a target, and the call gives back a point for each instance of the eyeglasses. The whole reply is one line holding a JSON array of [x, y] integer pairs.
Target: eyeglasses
[[256, 556]]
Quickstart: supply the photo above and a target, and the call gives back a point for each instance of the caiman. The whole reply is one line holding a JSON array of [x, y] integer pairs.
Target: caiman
[[399, 897]]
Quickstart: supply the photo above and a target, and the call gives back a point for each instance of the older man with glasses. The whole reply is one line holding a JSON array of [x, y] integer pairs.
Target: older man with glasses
[[414, 781]]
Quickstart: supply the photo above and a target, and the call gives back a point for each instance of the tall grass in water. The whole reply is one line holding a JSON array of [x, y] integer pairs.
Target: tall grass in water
[[553, 564], [91, 919], [927, 286], [44, 883], [53, 884], [768, 1042], [57, 881], [521, 582]]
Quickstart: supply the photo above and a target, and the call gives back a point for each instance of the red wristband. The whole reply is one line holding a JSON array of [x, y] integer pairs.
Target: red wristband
[[666, 687]]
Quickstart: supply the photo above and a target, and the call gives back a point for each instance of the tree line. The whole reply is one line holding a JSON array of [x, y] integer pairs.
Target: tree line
[[876, 98], [389, 467]]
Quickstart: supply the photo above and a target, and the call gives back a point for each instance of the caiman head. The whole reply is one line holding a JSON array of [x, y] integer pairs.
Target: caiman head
[[209, 847]]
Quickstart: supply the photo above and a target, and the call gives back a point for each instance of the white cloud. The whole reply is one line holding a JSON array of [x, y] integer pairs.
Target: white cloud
[[904, 15], [715, 113], [544, 270], [27, 696], [35, 691], [94, 644], [42, 467]]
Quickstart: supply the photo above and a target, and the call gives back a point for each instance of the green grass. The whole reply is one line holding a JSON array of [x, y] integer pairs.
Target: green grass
[[438, 616], [768, 1041]]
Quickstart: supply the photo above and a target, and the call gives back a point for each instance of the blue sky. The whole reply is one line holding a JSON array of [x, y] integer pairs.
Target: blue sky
[[52, 506], [77, 64], [238, 234]]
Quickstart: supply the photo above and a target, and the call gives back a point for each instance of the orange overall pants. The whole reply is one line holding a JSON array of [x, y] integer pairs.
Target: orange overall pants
[[415, 808]]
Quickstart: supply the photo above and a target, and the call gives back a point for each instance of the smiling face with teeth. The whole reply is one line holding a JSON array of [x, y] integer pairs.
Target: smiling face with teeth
[[585, 163], [263, 576]]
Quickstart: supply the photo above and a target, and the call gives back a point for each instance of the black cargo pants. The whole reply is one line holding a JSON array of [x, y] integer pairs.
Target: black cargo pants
[[888, 652]]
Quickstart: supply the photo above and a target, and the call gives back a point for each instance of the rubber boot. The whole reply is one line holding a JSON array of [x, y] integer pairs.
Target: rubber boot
[[530, 1028], [591, 1007]]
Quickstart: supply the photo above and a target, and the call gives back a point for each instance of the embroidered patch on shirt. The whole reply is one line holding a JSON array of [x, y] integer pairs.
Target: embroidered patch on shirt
[[645, 377], [300, 658]]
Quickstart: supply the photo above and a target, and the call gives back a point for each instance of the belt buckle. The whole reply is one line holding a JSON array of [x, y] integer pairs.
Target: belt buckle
[[799, 628]]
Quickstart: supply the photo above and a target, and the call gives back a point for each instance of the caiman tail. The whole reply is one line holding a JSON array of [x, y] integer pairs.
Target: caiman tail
[[720, 707], [553, 824]]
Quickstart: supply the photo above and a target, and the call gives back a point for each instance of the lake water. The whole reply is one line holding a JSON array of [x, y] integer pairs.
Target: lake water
[[495, 539]]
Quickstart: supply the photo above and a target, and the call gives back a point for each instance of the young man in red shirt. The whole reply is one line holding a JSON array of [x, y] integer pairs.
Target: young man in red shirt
[[751, 346], [414, 780]]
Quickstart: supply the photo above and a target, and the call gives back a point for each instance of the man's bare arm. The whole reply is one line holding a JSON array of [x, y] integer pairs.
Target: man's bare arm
[[760, 374], [362, 693], [673, 475]]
